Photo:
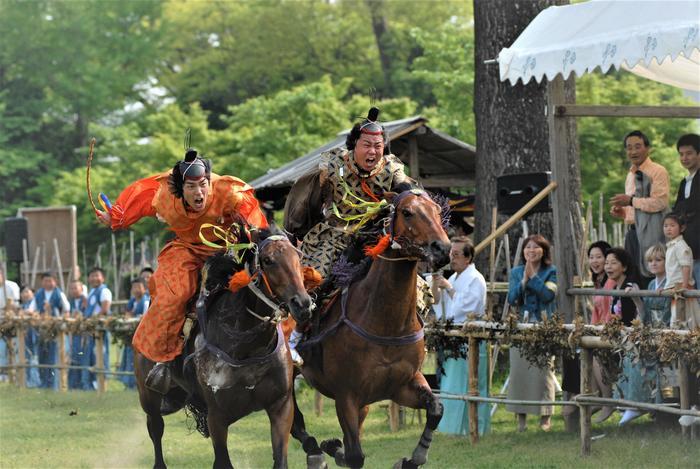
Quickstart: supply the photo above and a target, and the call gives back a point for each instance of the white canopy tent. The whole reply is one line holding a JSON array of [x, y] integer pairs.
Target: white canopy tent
[[659, 40]]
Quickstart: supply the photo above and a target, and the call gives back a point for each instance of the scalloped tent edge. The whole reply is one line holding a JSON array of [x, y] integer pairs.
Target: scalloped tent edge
[[661, 39]]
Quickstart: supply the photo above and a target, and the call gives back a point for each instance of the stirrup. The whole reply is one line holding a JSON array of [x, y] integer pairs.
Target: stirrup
[[159, 379]]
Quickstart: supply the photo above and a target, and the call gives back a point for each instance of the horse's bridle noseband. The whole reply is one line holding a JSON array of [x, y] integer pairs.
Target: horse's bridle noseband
[[390, 222], [280, 310]]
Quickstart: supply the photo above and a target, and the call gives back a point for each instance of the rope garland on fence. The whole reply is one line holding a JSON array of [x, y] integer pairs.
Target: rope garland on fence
[[644, 344], [121, 328], [537, 343]]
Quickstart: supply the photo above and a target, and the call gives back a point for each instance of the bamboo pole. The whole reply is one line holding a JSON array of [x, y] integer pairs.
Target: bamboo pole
[[25, 261], [100, 361], [393, 416], [57, 253], [473, 389], [115, 267], [132, 254], [22, 357], [63, 373], [684, 384], [318, 403], [584, 410], [515, 217], [35, 266], [631, 294]]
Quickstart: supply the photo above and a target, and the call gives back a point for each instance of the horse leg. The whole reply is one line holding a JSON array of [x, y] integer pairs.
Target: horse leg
[[314, 455], [218, 431], [156, 427], [281, 417], [348, 454], [150, 403], [416, 395]]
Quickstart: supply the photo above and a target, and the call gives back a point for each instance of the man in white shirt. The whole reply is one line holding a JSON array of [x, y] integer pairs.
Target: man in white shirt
[[9, 296], [457, 298], [465, 291], [9, 290]]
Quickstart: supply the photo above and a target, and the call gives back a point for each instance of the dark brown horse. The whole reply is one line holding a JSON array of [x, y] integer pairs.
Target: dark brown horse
[[371, 339], [240, 362]]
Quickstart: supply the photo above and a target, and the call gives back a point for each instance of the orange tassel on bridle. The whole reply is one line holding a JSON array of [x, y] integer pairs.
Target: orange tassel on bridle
[[379, 248], [239, 280], [312, 278]]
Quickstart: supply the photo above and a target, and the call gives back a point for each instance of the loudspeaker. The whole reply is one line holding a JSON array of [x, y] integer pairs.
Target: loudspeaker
[[515, 190], [15, 232]]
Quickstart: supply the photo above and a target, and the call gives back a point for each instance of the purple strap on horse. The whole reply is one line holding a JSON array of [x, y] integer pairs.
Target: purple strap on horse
[[375, 339]]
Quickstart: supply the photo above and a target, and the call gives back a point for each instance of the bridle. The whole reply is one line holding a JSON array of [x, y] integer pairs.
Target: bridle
[[280, 310], [390, 223]]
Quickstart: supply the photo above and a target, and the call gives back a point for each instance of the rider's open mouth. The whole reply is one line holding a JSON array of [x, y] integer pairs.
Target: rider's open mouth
[[199, 202], [370, 160]]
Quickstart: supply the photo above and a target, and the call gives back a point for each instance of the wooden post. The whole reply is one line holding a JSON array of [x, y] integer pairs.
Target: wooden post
[[684, 384], [560, 154], [35, 266], [25, 262], [413, 162], [394, 416], [22, 358], [11, 361], [100, 361], [318, 403], [62, 362], [474, 389], [585, 410]]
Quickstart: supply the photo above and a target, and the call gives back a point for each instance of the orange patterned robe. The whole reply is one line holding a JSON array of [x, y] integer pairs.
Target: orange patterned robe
[[174, 282]]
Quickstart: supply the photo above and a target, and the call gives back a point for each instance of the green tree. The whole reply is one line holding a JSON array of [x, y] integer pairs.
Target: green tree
[[447, 69]]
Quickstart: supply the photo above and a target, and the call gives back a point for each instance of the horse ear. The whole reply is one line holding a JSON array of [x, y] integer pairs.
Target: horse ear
[[254, 235]]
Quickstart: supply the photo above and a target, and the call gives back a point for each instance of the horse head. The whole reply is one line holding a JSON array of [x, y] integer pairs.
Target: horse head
[[416, 227], [279, 266]]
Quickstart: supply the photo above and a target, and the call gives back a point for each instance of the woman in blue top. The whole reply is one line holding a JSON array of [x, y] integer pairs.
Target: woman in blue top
[[137, 307], [532, 289]]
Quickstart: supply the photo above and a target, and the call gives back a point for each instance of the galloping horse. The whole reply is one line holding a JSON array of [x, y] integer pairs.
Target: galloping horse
[[241, 362], [371, 340]]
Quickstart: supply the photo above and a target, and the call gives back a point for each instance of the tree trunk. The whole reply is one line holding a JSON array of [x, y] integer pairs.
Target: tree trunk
[[511, 126], [380, 27]]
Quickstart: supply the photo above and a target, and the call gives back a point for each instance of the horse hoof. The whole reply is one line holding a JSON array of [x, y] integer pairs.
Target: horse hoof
[[404, 463], [316, 461], [330, 447]]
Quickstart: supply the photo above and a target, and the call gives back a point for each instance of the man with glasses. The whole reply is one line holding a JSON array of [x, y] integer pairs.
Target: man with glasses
[[645, 201]]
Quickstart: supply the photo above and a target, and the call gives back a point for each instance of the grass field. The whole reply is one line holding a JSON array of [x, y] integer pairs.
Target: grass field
[[37, 430]]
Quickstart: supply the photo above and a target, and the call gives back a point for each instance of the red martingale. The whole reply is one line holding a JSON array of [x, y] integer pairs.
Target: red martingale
[[379, 248]]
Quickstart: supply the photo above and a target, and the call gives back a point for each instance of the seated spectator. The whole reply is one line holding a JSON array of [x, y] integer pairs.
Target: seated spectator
[[463, 294], [137, 307], [78, 303], [688, 199], [622, 275], [49, 301], [532, 288], [679, 264], [31, 339], [599, 307]]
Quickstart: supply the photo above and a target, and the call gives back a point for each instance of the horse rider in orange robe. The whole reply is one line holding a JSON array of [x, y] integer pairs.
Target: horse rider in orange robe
[[185, 198]]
